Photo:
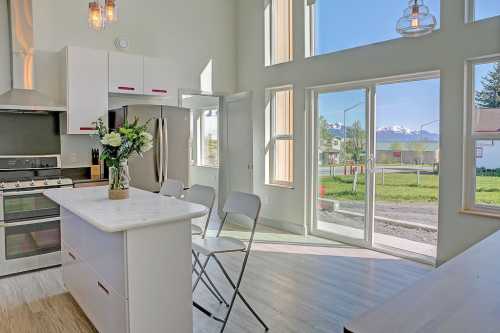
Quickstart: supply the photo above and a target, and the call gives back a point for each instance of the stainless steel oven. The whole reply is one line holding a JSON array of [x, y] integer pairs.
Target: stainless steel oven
[[30, 233], [20, 205]]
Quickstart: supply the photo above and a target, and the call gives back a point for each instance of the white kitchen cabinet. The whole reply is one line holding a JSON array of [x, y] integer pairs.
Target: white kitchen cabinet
[[86, 78], [126, 73], [156, 77]]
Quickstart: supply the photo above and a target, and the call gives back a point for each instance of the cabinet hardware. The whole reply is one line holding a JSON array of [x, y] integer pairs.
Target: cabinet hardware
[[125, 88], [159, 91], [72, 256]]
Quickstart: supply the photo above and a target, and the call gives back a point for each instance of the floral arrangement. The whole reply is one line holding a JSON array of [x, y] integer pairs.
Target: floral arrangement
[[119, 145]]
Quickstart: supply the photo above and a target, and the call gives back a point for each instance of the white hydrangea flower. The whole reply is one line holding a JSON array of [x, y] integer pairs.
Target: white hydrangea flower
[[112, 139]]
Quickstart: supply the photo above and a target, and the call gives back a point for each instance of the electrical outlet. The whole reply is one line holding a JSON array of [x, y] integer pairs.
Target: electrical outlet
[[74, 158]]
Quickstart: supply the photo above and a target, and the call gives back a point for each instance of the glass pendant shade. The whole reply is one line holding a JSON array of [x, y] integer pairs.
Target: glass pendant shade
[[416, 20], [96, 18], [111, 10]]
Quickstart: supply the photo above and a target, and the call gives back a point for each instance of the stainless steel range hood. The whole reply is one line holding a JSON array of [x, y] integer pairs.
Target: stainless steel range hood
[[23, 95]]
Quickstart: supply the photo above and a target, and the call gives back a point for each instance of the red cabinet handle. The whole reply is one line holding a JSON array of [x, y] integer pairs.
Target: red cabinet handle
[[125, 88], [159, 91], [87, 128]]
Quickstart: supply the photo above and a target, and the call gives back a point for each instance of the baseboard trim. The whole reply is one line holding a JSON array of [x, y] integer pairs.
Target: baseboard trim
[[280, 225], [283, 225]]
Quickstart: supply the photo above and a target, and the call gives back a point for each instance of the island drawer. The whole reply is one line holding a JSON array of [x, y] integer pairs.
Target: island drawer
[[103, 252], [103, 306]]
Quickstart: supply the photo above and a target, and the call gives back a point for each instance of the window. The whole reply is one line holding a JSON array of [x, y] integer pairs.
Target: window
[[279, 137], [482, 9], [208, 140], [330, 26], [278, 30], [483, 157]]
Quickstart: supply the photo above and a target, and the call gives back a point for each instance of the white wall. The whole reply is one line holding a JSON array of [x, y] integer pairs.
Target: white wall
[[188, 33], [445, 50]]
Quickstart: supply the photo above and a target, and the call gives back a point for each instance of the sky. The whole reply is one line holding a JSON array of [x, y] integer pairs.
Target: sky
[[375, 22], [408, 104], [486, 8]]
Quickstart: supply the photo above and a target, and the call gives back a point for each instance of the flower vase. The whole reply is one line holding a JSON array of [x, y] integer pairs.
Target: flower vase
[[119, 181]]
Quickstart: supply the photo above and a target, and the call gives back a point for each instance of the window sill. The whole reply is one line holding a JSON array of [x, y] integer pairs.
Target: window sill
[[480, 213], [278, 64], [284, 186]]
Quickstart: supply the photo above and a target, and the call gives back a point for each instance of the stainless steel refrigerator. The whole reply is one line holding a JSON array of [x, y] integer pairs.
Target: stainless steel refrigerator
[[169, 157]]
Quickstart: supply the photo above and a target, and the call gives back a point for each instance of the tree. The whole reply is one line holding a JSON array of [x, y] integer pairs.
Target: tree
[[324, 132], [489, 95], [396, 146], [418, 147], [355, 142]]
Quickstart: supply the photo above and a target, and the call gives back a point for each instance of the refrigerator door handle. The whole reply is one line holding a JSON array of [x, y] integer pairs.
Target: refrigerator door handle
[[160, 151], [165, 149], [155, 149]]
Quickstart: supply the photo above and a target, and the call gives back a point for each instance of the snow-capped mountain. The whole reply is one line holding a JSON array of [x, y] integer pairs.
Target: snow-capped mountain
[[394, 133], [404, 134]]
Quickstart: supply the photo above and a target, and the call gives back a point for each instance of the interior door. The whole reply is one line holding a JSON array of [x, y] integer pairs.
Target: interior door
[[236, 151]]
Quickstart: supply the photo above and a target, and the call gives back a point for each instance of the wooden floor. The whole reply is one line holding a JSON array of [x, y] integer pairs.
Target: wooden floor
[[297, 284]]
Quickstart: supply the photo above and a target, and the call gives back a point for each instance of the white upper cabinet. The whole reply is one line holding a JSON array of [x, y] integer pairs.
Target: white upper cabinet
[[126, 73], [86, 89], [156, 77]]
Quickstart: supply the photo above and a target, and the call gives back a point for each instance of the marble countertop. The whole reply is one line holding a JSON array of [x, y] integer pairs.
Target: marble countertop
[[142, 209]]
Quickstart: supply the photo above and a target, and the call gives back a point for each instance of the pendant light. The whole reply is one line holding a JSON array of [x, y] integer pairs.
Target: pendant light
[[95, 17], [111, 10], [101, 15], [416, 20]]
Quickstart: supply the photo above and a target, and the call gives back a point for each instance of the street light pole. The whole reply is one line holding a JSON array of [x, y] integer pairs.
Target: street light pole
[[345, 125]]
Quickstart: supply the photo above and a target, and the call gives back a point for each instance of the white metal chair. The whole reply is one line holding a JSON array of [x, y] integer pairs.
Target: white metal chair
[[203, 195], [172, 188], [237, 203]]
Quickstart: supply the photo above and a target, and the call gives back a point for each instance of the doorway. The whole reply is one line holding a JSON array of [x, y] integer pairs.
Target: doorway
[[375, 164]]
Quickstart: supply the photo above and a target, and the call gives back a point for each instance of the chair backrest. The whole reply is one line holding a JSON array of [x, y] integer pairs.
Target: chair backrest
[[200, 194], [172, 188], [242, 203]]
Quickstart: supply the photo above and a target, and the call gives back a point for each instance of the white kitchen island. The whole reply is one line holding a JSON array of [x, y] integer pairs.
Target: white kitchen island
[[128, 263]]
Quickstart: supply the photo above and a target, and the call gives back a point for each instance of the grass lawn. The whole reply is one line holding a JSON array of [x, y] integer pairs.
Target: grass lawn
[[488, 190], [400, 187]]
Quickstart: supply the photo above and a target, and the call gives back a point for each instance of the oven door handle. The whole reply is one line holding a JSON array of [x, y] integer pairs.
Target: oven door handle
[[18, 193], [39, 221]]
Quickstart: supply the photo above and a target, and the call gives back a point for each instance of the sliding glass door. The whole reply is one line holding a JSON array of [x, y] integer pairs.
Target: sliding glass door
[[407, 166], [376, 164], [342, 149]]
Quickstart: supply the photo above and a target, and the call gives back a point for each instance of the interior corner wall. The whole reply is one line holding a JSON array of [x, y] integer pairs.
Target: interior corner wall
[[445, 50]]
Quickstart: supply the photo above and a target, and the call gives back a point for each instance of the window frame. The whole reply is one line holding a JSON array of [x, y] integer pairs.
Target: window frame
[[200, 125], [470, 12], [469, 203], [269, 34], [272, 138]]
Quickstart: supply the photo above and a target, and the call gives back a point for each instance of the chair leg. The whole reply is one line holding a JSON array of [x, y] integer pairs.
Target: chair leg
[[210, 288], [201, 273], [237, 293], [213, 289]]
